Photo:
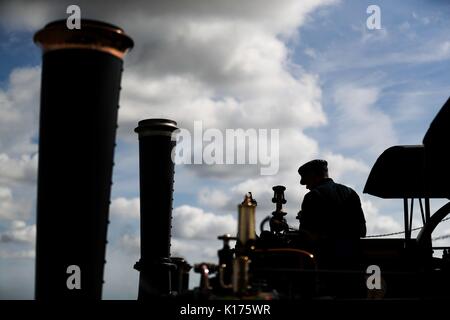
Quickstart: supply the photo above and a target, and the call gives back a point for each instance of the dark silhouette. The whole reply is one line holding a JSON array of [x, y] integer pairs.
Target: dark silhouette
[[331, 219], [330, 210], [156, 170], [81, 74], [278, 223]]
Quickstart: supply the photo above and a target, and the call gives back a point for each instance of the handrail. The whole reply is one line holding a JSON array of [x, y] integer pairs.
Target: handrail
[[433, 221]]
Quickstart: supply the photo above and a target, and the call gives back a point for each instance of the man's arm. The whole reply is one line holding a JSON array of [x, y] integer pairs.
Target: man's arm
[[307, 216]]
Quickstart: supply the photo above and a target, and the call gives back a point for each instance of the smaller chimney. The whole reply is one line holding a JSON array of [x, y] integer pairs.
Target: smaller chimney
[[156, 170]]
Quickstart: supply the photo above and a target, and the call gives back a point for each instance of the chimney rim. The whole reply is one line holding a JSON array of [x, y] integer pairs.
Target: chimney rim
[[94, 34], [155, 125]]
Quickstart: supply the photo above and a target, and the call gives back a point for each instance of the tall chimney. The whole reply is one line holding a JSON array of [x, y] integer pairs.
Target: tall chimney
[[81, 74], [156, 193]]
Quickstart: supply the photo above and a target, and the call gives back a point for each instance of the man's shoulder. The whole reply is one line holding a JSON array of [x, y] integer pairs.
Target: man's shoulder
[[333, 188], [312, 195], [347, 193], [344, 187], [328, 185]]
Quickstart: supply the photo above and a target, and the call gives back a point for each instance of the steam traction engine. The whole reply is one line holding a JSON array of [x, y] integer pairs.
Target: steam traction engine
[[277, 263], [274, 264]]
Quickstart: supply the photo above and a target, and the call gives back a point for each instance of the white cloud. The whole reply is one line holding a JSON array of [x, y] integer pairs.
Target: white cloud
[[194, 223], [23, 15], [195, 250], [378, 223], [12, 207], [121, 279], [19, 102], [7, 208], [19, 232], [360, 123], [430, 52], [295, 148], [371, 36], [281, 17], [15, 254], [213, 198], [244, 93], [310, 52], [125, 208], [338, 165], [224, 63], [22, 169], [423, 19], [131, 243], [19, 105], [188, 222], [259, 187], [18, 240]]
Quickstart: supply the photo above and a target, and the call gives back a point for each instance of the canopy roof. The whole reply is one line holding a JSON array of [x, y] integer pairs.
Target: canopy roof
[[415, 171]]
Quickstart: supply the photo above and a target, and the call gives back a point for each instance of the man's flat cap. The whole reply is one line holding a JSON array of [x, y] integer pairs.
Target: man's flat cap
[[313, 166]]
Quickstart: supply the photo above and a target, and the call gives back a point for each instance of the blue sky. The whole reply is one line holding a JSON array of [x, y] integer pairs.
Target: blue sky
[[335, 90]]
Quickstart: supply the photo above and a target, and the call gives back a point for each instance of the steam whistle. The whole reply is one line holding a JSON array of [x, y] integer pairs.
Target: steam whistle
[[246, 220], [277, 222], [246, 236]]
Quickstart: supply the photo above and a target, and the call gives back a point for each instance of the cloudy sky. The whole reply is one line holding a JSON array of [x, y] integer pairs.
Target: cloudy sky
[[334, 88]]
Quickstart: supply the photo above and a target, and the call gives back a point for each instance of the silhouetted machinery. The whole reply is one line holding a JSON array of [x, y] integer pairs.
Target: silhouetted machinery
[[81, 77], [278, 263]]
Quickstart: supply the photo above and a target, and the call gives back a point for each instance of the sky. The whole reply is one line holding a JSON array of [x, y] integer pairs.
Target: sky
[[312, 69]]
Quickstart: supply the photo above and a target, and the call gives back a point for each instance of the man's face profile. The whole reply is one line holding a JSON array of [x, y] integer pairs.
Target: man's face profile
[[309, 179]]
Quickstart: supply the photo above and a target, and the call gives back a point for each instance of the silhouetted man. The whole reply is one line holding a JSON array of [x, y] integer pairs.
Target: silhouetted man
[[331, 218], [329, 210]]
